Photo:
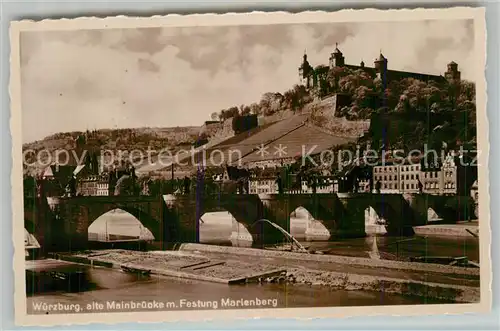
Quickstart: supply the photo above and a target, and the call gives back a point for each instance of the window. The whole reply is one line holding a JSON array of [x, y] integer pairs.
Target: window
[[407, 186], [412, 186], [385, 177], [407, 177], [396, 186], [412, 176]]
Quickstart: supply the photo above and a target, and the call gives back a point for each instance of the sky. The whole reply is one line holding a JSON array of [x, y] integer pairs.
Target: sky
[[165, 77]]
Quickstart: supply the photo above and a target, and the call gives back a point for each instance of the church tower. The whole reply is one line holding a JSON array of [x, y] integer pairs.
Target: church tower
[[336, 58]]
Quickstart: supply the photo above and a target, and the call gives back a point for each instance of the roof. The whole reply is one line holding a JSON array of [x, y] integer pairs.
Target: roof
[[60, 173], [398, 74]]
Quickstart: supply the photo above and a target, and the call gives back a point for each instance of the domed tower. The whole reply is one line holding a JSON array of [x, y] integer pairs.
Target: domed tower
[[336, 58]]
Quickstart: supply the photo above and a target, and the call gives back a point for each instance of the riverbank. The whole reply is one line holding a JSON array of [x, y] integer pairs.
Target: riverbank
[[230, 265], [461, 229]]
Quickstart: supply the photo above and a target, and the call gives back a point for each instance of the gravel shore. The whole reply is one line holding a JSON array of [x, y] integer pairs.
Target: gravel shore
[[225, 268]]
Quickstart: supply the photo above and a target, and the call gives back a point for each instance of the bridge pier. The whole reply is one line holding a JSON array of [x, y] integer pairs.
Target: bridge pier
[[62, 223]]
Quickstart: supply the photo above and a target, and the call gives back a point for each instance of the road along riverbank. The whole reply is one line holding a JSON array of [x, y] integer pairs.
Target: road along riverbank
[[231, 265]]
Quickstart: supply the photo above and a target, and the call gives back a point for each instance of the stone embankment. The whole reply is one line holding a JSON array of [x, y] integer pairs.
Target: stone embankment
[[463, 229], [435, 281]]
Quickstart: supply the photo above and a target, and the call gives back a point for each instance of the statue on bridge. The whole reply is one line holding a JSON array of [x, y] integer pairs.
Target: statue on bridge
[[71, 187], [420, 187], [146, 187], [186, 183], [279, 182]]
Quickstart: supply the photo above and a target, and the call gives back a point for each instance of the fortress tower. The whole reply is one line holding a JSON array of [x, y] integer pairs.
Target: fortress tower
[[312, 79], [452, 74], [380, 65], [306, 72], [336, 58]]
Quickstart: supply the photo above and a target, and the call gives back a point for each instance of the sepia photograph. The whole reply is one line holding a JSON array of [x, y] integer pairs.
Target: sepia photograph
[[250, 163]]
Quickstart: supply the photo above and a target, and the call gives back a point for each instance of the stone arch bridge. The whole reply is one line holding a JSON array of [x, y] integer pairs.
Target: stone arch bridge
[[62, 223]]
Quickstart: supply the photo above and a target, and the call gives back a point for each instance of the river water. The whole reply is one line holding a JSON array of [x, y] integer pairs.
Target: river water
[[109, 287], [217, 229]]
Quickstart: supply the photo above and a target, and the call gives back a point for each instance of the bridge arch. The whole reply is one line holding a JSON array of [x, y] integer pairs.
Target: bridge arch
[[432, 215], [246, 230], [247, 211], [385, 216], [221, 227], [303, 225], [30, 240], [30, 225], [321, 212], [121, 225]]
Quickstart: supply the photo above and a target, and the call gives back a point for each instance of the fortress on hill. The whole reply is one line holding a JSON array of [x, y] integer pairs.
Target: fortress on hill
[[312, 77]]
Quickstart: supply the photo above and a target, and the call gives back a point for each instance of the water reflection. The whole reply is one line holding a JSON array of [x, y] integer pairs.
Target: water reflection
[[219, 228], [111, 285]]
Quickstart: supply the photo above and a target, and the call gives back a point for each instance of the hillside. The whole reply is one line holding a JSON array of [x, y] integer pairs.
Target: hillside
[[113, 140], [405, 114]]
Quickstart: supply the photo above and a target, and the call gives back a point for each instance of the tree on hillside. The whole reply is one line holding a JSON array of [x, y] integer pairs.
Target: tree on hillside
[[270, 103], [228, 113], [322, 72], [245, 110], [255, 109], [350, 82], [296, 98], [334, 75]]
